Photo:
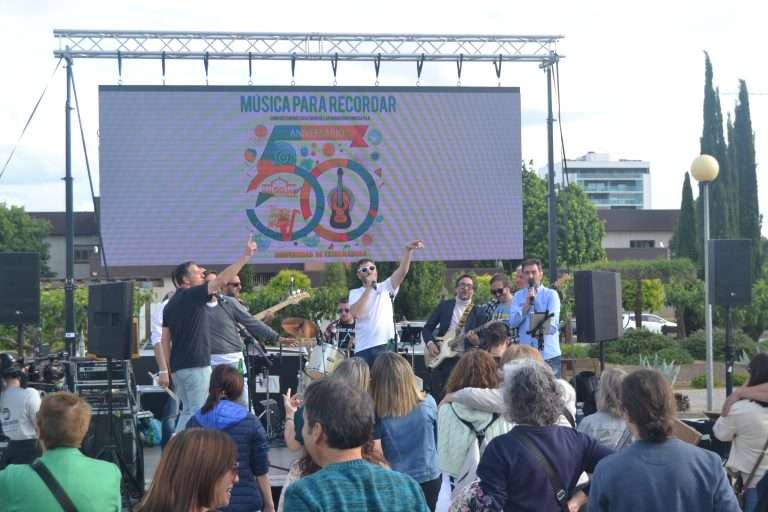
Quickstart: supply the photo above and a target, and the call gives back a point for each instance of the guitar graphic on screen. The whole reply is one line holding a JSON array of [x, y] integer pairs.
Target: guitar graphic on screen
[[340, 204]]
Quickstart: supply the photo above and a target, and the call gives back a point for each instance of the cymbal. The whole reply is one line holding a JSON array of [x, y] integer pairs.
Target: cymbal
[[299, 327]]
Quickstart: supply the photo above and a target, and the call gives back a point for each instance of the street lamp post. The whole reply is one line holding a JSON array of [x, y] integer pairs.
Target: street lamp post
[[704, 170]]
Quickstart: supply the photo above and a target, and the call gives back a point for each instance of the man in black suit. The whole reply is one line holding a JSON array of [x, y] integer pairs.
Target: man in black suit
[[445, 320]]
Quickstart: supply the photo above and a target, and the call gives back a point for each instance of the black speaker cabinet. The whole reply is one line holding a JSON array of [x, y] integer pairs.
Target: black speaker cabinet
[[110, 309], [598, 306], [730, 272], [20, 288]]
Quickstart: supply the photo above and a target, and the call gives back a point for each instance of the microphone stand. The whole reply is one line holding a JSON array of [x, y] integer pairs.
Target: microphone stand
[[538, 330]]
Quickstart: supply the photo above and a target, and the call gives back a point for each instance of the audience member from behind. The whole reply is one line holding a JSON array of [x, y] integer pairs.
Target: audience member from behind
[[607, 425], [91, 485], [746, 427], [222, 411], [462, 432], [338, 421], [510, 472], [18, 409], [658, 471], [353, 371], [492, 400], [196, 473], [406, 423]]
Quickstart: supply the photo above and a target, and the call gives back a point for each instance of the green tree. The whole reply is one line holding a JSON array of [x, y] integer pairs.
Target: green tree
[[335, 276], [722, 199], [685, 241], [744, 165], [652, 297], [421, 290], [686, 295], [21, 233], [580, 231]]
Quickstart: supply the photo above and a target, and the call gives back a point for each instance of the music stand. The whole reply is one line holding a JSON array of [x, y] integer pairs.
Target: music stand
[[540, 322]]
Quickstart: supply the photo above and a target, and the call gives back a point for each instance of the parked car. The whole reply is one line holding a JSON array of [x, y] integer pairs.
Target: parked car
[[650, 322]]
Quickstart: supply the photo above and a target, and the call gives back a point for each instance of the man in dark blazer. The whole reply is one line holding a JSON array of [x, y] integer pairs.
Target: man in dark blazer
[[445, 321]]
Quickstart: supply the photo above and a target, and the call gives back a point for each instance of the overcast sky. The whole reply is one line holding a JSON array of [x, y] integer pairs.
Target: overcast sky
[[631, 80]]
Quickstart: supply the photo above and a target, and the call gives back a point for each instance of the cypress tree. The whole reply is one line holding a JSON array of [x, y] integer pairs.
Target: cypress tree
[[743, 152], [686, 241], [713, 143]]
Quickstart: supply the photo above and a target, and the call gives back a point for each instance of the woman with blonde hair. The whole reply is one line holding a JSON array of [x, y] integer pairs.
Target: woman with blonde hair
[[406, 423], [196, 473], [608, 425]]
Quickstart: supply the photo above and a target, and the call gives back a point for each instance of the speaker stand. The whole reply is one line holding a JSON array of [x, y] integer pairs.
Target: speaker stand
[[728, 351], [20, 339], [110, 451]]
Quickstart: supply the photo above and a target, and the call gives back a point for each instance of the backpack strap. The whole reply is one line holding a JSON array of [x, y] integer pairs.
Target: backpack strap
[[480, 434], [53, 485], [558, 489]]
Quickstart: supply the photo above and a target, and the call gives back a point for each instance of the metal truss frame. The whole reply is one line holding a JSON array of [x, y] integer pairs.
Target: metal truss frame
[[102, 44]]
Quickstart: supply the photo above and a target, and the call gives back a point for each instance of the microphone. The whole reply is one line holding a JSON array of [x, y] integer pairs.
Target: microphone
[[531, 284], [373, 285]]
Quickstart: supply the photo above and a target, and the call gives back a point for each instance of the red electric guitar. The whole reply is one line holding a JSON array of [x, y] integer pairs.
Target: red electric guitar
[[340, 204]]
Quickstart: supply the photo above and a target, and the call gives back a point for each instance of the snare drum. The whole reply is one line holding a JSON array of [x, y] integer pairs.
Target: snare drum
[[323, 360]]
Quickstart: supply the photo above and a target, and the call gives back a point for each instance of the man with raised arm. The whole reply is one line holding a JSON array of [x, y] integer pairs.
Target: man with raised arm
[[186, 332], [371, 305]]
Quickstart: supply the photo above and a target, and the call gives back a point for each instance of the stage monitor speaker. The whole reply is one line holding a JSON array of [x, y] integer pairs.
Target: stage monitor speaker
[[730, 272], [110, 310], [20, 288], [598, 306]]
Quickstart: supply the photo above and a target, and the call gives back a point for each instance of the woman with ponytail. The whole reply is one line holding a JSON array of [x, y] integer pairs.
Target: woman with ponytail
[[222, 412]]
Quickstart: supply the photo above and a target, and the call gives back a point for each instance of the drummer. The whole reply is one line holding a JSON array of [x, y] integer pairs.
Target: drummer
[[341, 332]]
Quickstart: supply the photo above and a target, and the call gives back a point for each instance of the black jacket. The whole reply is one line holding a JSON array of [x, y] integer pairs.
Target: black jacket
[[441, 317]]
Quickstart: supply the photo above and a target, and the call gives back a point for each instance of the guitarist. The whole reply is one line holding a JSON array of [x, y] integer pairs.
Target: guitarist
[[502, 307], [447, 319]]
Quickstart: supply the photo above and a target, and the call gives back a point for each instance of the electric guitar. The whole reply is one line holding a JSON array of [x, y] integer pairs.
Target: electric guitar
[[340, 204], [294, 298], [447, 345]]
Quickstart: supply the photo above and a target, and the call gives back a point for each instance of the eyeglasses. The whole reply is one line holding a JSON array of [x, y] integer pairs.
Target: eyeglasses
[[342, 310], [236, 285], [365, 270], [497, 291], [465, 285]]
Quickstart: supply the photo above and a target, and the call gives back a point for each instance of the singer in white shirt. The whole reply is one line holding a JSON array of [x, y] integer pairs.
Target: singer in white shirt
[[371, 305]]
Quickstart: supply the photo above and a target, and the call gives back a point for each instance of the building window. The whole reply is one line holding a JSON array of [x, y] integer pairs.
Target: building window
[[83, 253], [642, 244]]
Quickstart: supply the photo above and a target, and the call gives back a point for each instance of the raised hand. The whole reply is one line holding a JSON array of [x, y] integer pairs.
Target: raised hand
[[414, 245], [250, 246], [291, 403]]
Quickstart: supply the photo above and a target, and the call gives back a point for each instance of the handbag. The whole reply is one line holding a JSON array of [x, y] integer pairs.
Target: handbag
[[740, 486], [53, 485]]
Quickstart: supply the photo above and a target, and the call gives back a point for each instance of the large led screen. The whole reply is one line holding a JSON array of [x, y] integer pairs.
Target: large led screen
[[311, 173]]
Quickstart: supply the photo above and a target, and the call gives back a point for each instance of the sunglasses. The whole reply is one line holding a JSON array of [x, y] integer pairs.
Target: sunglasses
[[342, 310], [365, 270], [236, 285], [497, 291]]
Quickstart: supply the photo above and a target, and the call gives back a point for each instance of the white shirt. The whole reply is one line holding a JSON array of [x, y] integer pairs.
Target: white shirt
[[156, 322], [746, 426], [18, 409], [376, 327], [458, 311]]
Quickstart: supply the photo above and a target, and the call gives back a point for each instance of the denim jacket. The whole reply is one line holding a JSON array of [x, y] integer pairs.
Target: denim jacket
[[410, 442]]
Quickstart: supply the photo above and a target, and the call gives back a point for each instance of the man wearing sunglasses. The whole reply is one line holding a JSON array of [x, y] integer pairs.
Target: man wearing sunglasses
[[501, 307], [341, 332], [371, 304], [447, 318]]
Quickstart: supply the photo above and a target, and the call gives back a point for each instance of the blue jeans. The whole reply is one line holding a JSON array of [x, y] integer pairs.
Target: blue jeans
[[168, 421], [191, 386], [750, 499], [369, 355], [554, 363]]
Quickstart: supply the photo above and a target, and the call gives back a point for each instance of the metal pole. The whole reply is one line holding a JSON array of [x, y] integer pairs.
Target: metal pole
[[69, 282], [707, 305], [552, 217], [728, 351]]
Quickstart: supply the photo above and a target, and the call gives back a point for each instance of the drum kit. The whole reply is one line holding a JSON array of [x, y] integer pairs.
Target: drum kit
[[324, 355]]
